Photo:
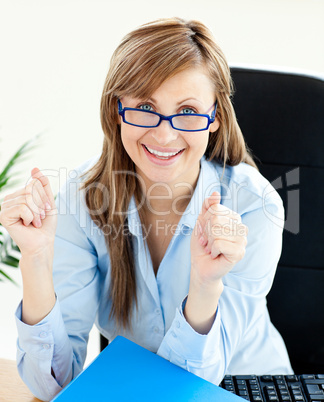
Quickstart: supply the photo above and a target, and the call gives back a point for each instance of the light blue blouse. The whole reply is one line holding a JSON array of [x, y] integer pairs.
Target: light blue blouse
[[242, 339]]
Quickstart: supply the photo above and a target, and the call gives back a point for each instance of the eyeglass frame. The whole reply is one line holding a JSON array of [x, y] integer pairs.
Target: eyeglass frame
[[211, 119]]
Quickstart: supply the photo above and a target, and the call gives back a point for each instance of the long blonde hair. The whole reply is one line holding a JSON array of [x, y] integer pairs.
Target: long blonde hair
[[145, 58]]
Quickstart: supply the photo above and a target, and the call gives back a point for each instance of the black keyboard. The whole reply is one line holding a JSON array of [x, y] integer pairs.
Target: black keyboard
[[276, 388]]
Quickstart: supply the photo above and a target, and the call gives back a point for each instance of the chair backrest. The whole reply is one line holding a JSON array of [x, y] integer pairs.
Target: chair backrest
[[281, 115]]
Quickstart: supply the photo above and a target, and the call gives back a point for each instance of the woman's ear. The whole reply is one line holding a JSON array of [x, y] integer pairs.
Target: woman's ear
[[214, 126]]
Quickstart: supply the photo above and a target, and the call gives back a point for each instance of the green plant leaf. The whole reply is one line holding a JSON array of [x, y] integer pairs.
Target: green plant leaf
[[26, 147], [10, 261], [7, 277]]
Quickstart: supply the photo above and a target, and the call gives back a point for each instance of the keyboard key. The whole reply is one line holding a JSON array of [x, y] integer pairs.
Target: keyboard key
[[229, 388], [298, 398], [266, 378], [314, 389], [291, 378], [270, 387], [319, 382], [307, 376], [253, 383], [246, 377], [295, 388], [282, 386]]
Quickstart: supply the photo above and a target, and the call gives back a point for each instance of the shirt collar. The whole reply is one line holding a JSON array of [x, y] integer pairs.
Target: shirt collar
[[208, 182]]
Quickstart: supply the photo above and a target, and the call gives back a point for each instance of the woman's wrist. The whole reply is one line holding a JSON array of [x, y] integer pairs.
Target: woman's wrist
[[202, 302], [38, 288], [202, 279]]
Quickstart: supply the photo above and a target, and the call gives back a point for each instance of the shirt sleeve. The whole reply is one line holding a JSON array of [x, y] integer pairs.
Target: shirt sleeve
[[35, 353], [51, 353], [241, 304]]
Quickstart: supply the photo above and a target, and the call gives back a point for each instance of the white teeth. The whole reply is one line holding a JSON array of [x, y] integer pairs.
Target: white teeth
[[163, 154]]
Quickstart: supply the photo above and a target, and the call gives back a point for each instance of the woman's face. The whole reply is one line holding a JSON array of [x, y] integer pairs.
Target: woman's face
[[190, 91]]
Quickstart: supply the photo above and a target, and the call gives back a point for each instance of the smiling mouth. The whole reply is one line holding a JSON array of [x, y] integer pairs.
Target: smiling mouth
[[162, 155]]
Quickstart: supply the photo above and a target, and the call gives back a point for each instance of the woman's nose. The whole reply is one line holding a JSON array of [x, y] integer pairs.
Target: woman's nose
[[164, 133]]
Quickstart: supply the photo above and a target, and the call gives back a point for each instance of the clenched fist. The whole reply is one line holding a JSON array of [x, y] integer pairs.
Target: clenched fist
[[218, 241], [30, 215]]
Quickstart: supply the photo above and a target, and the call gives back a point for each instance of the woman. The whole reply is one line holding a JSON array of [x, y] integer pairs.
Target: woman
[[166, 238]]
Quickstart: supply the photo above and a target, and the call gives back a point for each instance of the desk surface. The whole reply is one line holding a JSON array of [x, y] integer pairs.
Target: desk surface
[[12, 388]]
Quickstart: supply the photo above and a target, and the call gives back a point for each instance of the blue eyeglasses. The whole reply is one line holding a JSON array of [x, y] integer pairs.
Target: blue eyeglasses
[[183, 122]]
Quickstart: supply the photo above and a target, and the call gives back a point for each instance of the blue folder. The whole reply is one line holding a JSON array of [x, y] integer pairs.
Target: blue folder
[[124, 371]]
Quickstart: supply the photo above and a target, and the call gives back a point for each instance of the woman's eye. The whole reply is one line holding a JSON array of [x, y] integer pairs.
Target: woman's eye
[[187, 110], [146, 107]]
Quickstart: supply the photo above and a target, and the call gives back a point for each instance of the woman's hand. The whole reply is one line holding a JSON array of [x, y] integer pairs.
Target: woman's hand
[[218, 241], [30, 215]]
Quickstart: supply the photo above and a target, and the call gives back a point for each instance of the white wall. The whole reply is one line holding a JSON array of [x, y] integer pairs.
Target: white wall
[[54, 56]]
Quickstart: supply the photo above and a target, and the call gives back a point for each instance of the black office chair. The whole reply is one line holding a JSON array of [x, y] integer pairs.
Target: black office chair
[[282, 119]]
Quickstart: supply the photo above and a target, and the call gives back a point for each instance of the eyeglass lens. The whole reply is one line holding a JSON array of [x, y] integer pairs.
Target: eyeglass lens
[[185, 122]]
